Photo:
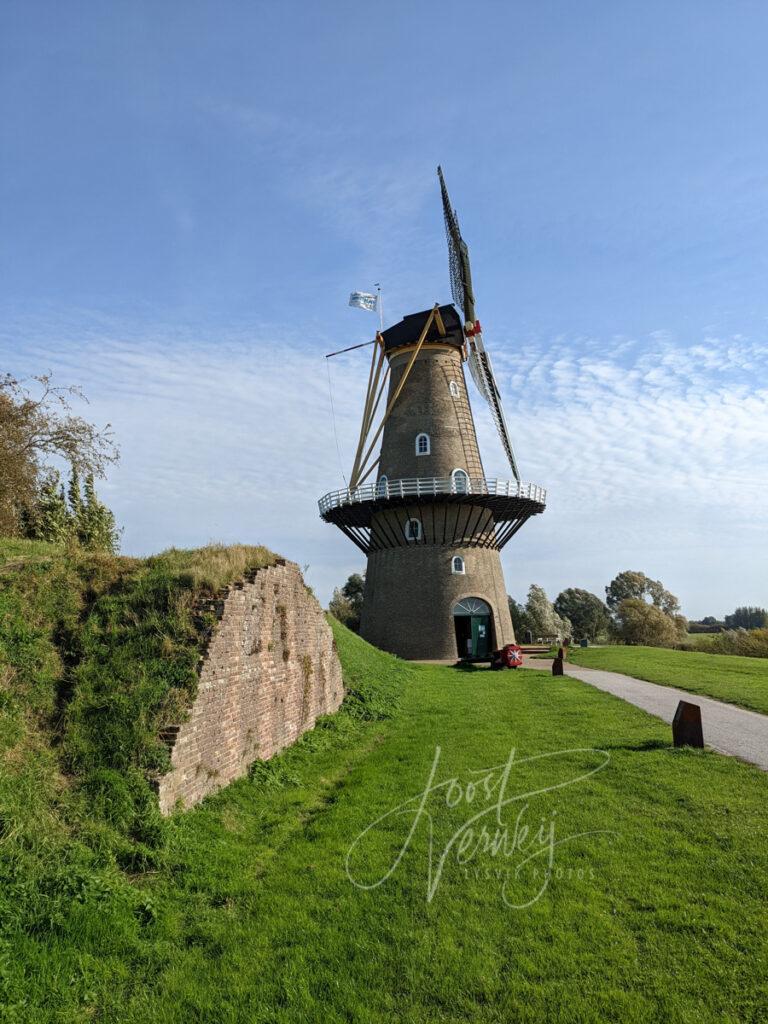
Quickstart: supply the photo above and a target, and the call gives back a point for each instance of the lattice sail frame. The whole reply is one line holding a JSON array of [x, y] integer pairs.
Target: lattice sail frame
[[461, 288], [458, 257]]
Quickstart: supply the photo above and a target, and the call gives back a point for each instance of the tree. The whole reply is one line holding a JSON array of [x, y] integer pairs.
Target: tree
[[747, 617], [542, 618], [631, 584], [354, 590], [519, 618], [76, 517], [49, 518], [35, 428], [18, 471], [341, 608], [347, 602], [74, 497], [638, 622], [586, 612], [95, 523]]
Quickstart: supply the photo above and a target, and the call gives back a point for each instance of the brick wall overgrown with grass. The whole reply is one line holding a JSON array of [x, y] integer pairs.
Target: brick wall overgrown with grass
[[97, 655]]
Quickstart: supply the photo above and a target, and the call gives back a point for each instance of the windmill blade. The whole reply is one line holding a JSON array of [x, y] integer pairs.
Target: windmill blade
[[482, 373], [458, 257], [461, 288]]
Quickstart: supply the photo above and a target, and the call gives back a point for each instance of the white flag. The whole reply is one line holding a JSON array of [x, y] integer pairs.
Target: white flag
[[363, 300]]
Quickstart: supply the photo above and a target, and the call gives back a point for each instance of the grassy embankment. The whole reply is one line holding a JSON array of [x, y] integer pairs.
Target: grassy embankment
[[727, 677], [250, 915], [97, 653]]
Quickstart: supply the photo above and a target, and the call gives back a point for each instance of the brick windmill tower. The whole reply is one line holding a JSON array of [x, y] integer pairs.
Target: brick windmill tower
[[423, 511]]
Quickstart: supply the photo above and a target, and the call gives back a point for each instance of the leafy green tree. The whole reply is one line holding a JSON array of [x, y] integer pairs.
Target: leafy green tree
[[20, 478], [638, 622], [347, 602], [519, 618], [631, 584], [37, 425], [341, 608], [49, 518], [586, 612], [542, 618], [354, 590], [95, 525], [74, 497], [747, 617]]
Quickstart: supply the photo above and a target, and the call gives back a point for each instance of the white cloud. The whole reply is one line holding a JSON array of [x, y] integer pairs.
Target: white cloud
[[654, 453]]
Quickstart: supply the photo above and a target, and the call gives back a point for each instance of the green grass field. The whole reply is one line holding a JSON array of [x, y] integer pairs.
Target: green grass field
[[702, 639], [742, 681], [657, 914]]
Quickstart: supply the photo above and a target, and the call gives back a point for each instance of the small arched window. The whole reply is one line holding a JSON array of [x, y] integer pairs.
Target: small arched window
[[453, 387], [457, 565], [413, 529], [422, 444], [460, 480], [382, 486]]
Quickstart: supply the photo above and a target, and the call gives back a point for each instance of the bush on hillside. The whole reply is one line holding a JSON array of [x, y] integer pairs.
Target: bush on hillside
[[751, 643]]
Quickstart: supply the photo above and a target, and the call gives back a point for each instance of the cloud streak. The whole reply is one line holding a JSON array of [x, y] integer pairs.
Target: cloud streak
[[654, 451]]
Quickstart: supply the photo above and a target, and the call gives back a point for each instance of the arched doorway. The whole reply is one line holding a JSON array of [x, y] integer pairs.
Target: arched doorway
[[473, 621]]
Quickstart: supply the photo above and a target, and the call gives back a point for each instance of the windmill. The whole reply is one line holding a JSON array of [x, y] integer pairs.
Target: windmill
[[421, 507]]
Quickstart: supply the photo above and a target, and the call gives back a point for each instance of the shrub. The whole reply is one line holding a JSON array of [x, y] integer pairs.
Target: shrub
[[751, 643]]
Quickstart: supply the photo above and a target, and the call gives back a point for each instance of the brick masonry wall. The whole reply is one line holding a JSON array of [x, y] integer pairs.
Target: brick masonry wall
[[427, 405], [270, 670], [410, 591], [410, 594]]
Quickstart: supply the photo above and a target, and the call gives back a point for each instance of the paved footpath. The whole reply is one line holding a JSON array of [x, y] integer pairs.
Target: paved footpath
[[727, 729]]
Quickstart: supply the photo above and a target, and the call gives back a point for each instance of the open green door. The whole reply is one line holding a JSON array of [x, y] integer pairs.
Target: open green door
[[481, 628], [474, 624]]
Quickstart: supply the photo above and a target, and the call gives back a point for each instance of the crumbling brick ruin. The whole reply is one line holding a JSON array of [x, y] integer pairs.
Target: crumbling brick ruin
[[269, 671]]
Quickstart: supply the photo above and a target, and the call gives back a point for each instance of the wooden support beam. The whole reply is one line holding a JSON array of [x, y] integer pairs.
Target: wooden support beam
[[378, 351], [439, 322], [367, 473], [382, 389], [375, 387], [401, 384]]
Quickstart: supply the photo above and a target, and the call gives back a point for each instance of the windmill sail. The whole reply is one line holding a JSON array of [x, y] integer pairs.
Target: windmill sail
[[478, 358], [458, 258], [482, 374]]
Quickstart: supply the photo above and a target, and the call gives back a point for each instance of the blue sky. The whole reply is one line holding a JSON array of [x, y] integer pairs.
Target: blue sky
[[189, 191]]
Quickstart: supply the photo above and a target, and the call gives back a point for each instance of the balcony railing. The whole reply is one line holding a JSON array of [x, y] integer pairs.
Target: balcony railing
[[431, 487]]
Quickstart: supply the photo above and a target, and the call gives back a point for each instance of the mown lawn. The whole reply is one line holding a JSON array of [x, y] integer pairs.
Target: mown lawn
[[742, 681], [659, 914]]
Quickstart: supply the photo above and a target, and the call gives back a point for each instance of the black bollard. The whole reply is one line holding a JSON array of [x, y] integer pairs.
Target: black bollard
[[686, 725]]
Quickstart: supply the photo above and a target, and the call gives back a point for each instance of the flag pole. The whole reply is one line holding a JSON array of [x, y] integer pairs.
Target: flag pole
[[381, 308]]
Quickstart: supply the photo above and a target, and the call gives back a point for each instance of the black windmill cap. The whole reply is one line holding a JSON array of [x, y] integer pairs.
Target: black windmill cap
[[408, 331]]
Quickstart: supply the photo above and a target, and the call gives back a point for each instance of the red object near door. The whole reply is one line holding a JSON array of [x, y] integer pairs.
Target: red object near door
[[510, 656]]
